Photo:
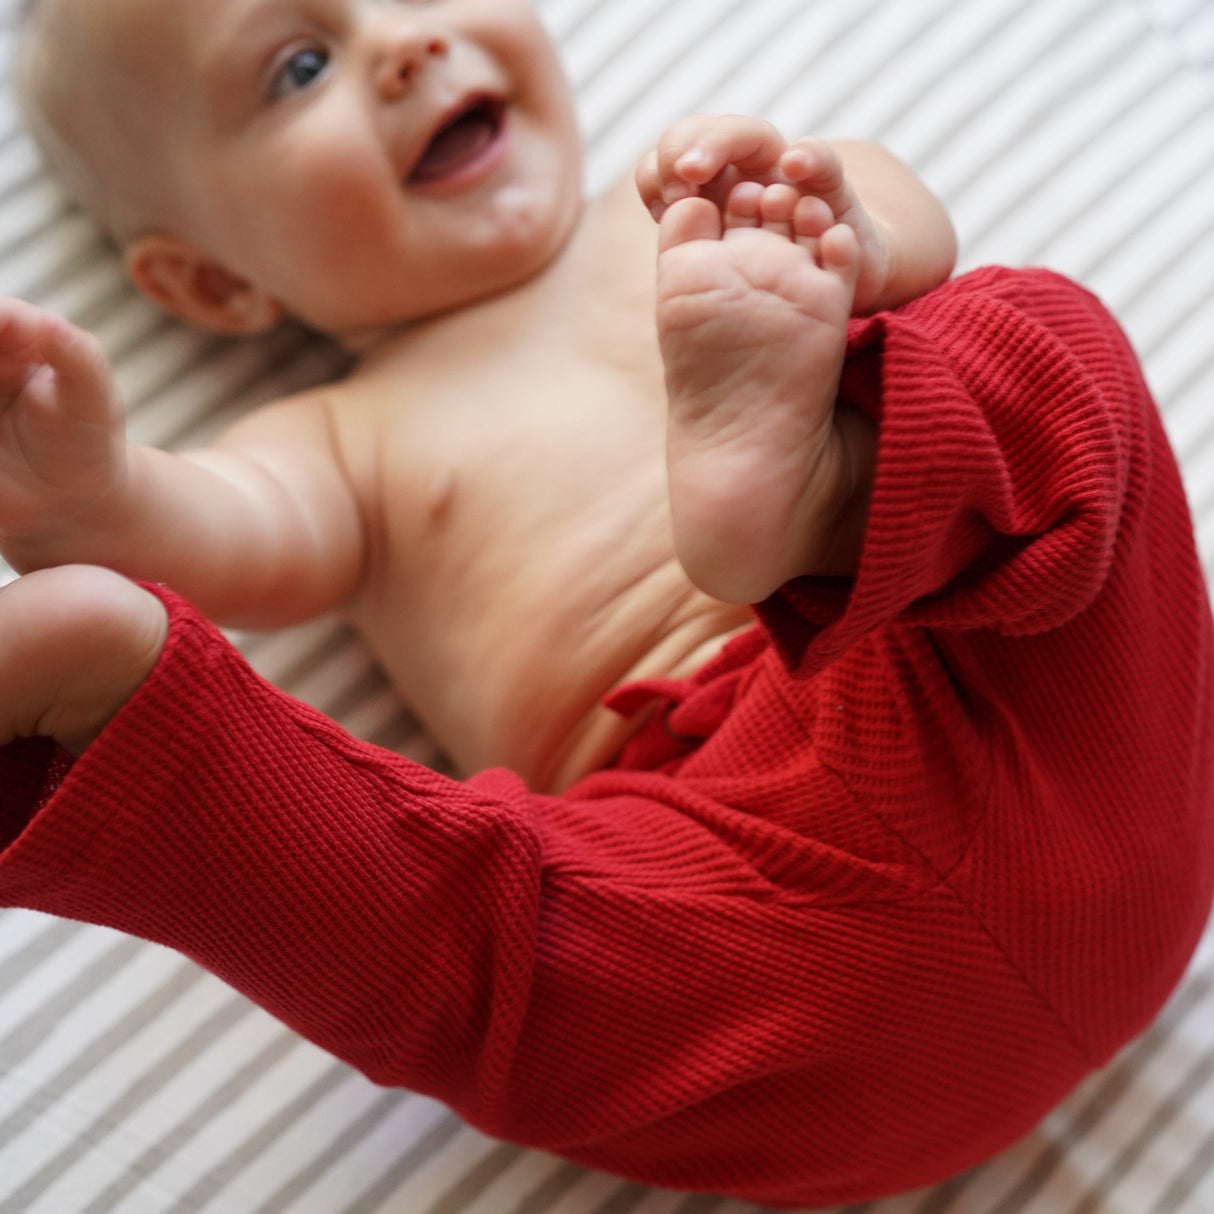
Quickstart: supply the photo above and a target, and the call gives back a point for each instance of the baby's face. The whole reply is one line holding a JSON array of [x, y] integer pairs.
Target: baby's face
[[364, 162]]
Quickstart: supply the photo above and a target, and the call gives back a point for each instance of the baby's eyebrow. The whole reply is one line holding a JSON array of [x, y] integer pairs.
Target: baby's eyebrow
[[232, 30]]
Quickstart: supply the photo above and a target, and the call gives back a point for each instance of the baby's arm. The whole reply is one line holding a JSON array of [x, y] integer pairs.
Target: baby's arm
[[260, 530], [907, 243]]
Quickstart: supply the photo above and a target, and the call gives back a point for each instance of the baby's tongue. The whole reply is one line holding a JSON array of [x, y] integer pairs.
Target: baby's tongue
[[454, 146]]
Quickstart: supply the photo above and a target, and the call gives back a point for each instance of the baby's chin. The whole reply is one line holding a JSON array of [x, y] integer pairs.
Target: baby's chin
[[509, 267]]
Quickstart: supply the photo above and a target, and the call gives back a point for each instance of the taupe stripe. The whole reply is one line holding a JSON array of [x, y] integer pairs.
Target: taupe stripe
[[995, 85], [699, 1205], [641, 88], [474, 1182], [1186, 1182], [940, 1198], [41, 1021], [133, 1021], [177, 1137], [1044, 112], [1169, 1110], [16, 967], [623, 1201], [551, 1189], [353, 1134], [262, 1136], [416, 1156], [183, 979], [862, 83]]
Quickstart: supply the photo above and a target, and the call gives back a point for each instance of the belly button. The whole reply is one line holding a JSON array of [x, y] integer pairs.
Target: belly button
[[442, 491]]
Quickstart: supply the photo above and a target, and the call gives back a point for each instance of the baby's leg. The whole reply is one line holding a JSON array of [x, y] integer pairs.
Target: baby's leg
[[75, 643], [765, 472]]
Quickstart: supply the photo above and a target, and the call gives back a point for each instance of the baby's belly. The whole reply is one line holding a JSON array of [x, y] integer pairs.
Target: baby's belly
[[512, 671]]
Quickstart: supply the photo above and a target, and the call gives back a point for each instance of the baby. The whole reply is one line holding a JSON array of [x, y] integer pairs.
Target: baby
[[803, 910]]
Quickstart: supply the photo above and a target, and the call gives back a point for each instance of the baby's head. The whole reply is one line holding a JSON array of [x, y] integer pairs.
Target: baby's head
[[353, 163]]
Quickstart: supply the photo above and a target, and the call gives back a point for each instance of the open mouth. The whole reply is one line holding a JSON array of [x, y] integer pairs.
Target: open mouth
[[461, 142]]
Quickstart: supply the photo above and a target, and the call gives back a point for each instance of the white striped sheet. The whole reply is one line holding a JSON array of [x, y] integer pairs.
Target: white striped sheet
[[1103, 171], [394, 1134], [525, 1177], [348, 1111], [19, 164], [958, 98], [877, 68], [1201, 1196], [1116, 247], [101, 1044], [279, 653], [51, 979], [1164, 313], [210, 1143], [658, 1202], [572, 1191], [1014, 110], [624, 112], [1018, 168], [457, 1158], [1179, 362], [20, 929], [562, 17], [943, 33], [68, 1038], [111, 1130], [784, 80]]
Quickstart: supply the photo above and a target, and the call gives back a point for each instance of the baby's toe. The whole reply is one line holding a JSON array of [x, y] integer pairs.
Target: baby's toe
[[811, 218], [743, 206]]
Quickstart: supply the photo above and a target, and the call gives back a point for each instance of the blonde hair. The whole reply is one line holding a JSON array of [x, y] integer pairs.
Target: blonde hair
[[96, 146]]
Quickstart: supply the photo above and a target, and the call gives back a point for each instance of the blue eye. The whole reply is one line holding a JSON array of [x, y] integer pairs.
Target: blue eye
[[302, 69]]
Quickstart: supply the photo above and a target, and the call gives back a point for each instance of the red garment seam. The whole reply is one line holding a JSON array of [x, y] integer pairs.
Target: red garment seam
[[943, 880]]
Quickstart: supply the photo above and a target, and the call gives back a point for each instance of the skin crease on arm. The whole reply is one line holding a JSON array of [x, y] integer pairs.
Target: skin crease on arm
[[261, 531], [276, 535]]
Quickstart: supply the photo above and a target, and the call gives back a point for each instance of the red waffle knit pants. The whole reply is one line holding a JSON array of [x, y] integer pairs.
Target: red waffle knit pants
[[859, 902]]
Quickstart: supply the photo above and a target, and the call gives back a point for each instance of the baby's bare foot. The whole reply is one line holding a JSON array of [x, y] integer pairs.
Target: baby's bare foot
[[752, 316], [815, 169], [75, 644]]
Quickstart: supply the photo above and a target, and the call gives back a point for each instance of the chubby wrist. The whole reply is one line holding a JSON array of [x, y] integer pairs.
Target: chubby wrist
[[83, 529]]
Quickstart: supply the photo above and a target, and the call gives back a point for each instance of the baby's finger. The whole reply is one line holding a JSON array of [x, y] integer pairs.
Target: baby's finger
[[699, 150], [21, 345], [751, 145], [84, 385], [649, 185], [814, 167]]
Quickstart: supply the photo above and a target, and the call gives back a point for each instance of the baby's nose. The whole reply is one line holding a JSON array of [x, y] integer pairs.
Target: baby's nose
[[402, 52]]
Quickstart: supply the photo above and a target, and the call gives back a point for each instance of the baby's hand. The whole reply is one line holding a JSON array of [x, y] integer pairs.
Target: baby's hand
[[62, 442], [75, 644], [707, 157]]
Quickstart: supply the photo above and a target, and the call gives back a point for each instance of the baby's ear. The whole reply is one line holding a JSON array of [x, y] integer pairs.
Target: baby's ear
[[197, 289]]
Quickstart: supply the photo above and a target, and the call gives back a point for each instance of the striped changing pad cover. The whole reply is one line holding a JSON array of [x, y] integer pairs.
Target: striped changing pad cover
[[1077, 134]]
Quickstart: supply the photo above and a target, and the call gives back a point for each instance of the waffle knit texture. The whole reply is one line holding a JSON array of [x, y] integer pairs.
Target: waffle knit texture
[[859, 902]]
